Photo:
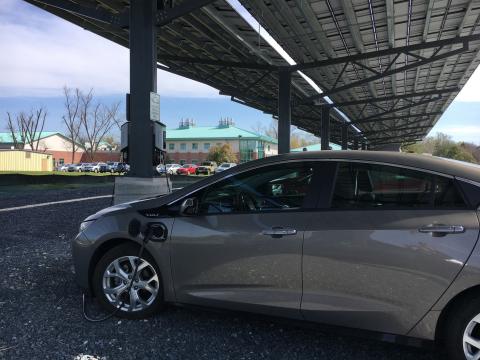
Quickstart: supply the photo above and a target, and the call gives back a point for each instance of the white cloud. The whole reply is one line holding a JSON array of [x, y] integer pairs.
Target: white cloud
[[41, 53]]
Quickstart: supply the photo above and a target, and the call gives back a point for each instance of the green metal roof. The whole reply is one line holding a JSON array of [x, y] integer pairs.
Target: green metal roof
[[6, 137], [215, 133], [316, 147]]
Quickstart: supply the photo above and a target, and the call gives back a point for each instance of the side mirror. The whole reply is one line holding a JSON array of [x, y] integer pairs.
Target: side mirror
[[189, 206]]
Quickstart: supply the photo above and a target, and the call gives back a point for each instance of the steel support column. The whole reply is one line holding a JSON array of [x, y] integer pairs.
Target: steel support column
[[344, 137], [325, 129], [284, 111], [355, 143], [143, 80]]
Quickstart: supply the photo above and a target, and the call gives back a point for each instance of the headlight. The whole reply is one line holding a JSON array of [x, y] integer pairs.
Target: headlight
[[85, 224]]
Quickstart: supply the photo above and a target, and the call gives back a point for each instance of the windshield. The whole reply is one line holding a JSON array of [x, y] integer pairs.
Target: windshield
[[186, 166]]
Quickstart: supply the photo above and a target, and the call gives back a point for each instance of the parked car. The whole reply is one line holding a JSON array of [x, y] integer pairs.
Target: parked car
[[379, 241], [224, 166], [86, 167], [173, 168], [117, 167], [100, 167], [187, 169], [169, 168], [207, 168], [74, 168], [64, 167]]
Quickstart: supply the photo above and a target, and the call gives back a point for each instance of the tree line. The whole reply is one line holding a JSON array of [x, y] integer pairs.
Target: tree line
[[443, 145], [88, 122]]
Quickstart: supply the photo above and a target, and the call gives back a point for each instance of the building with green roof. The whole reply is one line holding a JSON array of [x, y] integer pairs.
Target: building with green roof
[[190, 143]]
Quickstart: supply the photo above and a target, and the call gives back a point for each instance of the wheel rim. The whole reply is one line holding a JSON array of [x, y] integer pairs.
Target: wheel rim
[[471, 339], [116, 280]]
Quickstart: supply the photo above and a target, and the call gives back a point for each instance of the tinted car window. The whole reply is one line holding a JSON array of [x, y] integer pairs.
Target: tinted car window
[[372, 186], [266, 189]]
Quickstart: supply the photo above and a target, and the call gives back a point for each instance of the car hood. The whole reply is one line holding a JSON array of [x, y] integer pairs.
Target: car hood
[[108, 211]]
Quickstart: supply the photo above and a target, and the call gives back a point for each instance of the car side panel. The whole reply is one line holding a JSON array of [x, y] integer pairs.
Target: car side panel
[[374, 270], [226, 261], [468, 278]]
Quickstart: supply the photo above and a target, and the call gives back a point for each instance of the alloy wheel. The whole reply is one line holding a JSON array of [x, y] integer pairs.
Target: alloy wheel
[[116, 282], [471, 339]]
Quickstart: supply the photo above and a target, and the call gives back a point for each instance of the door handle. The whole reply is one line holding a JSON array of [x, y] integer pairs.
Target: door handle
[[279, 231], [442, 230]]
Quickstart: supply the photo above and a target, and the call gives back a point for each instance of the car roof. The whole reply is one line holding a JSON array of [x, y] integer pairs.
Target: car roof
[[459, 169]]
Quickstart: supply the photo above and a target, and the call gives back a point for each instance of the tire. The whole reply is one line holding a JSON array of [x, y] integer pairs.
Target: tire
[[460, 323], [155, 303]]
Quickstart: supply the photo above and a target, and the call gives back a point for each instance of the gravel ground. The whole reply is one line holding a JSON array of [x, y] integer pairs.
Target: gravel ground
[[40, 307], [33, 194]]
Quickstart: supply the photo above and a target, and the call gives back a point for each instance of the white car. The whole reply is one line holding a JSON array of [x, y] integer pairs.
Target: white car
[[171, 168], [224, 166], [64, 167], [99, 167]]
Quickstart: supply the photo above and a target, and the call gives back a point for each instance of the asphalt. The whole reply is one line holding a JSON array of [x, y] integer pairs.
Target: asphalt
[[41, 315]]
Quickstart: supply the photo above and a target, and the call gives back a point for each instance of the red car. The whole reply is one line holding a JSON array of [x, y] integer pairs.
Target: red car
[[187, 169]]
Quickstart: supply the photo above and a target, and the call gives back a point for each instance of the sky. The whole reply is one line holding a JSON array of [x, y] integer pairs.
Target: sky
[[41, 53]]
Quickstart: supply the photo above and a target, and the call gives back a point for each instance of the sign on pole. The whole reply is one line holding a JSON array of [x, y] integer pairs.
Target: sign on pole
[[154, 106]]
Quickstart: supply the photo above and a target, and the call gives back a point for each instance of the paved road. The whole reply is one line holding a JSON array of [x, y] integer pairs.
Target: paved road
[[40, 307]]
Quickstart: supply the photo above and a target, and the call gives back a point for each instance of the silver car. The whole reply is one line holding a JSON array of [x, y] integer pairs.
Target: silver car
[[379, 241]]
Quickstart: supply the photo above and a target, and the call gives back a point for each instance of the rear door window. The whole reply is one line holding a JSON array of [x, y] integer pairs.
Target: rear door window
[[360, 185]]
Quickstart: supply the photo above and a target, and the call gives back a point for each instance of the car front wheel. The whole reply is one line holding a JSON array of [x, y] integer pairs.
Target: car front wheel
[[112, 277]]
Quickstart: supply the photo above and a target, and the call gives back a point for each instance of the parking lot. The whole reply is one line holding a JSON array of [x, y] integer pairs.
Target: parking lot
[[41, 315]]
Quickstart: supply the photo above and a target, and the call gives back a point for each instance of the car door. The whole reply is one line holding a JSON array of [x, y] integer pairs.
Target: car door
[[241, 247], [384, 247]]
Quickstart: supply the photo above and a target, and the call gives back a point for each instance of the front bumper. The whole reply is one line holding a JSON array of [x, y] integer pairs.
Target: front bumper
[[82, 252]]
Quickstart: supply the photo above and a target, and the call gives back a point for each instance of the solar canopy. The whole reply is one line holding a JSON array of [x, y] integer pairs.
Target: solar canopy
[[391, 68]]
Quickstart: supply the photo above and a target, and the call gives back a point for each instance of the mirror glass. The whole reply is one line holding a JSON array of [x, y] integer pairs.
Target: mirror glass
[[189, 206]]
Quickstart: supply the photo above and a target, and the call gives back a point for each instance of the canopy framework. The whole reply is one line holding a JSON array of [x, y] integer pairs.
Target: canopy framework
[[391, 68]]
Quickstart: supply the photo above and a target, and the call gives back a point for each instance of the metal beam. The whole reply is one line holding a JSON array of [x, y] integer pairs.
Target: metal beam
[[325, 128], [410, 116], [143, 80], [166, 16], [464, 40], [95, 13], [376, 116], [397, 97], [383, 131], [397, 137], [386, 73], [284, 111], [214, 62]]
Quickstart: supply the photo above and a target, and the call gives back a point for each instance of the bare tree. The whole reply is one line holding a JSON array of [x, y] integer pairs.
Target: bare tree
[[13, 128], [71, 118], [27, 128], [96, 121]]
